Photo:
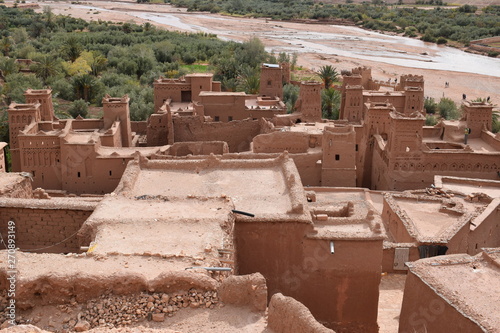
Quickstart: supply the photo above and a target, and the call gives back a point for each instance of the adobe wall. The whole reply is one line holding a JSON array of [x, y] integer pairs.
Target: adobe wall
[[157, 129], [393, 221], [423, 310], [485, 232], [41, 156], [86, 172], [198, 148], [309, 169], [277, 142], [286, 315], [306, 270], [43, 223], [139, 127], [238, 135], [491, 139], [341, 289], [272, 249], [417, 174], [224, 107]]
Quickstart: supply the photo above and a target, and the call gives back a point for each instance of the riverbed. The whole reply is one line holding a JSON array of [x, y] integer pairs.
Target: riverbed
[[344, 47]]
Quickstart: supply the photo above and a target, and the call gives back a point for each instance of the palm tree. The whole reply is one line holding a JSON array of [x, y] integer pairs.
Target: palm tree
[[83, 85], [330, 102], [328, 75], [495, 121], [72, 48], [46, 67], [98, 63], [249, 80], [6, 45], [8, 66]]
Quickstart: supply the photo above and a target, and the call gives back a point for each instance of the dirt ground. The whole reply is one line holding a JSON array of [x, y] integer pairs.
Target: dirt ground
[[473, 85]]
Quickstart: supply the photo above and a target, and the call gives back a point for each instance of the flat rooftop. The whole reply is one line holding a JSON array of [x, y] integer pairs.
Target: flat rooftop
[[346, 214], [158, 226], [469, 284], [267, 188], [468, 185]]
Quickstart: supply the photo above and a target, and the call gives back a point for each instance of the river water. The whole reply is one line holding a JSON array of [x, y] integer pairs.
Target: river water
[[349, 43], [346, 41]]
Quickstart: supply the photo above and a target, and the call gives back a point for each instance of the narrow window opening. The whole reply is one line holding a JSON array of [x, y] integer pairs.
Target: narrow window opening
[[78, 174], [337, 157]]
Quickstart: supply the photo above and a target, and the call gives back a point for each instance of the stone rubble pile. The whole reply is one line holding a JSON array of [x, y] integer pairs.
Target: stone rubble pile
[[115, 311], [438, 192], [476, 197]]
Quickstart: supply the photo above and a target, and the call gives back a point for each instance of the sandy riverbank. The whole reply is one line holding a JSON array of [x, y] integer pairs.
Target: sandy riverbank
[[473, 85]]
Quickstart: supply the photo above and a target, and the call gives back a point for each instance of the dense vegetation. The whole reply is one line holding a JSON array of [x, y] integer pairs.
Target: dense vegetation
[[440, 24], [82, 61]]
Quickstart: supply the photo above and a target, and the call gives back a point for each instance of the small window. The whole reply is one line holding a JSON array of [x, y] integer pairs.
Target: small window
[[201, 87], [269, 83], [216, 118], [337, 157], [356, 147], [230, 118], [33, 173], [110, 173], [78, 174]]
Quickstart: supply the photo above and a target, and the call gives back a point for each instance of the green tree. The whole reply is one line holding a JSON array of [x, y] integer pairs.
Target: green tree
[[95, 60], [16, 84], [328, 75], [430, 105], [448, 109]]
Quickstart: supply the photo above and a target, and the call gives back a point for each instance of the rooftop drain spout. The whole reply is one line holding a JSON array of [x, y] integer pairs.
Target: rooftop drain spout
[[242, 213], [214, 269]]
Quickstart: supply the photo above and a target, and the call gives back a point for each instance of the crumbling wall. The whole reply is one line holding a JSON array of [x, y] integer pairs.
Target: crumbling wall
[[245, 290], [49, 224], [16, 186], [288, 315], [237, 134]]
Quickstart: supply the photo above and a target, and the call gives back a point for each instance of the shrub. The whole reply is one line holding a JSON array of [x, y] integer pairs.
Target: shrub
[[430, 120], [430, 105], [441, 40], [448, 109], [79, 108]]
